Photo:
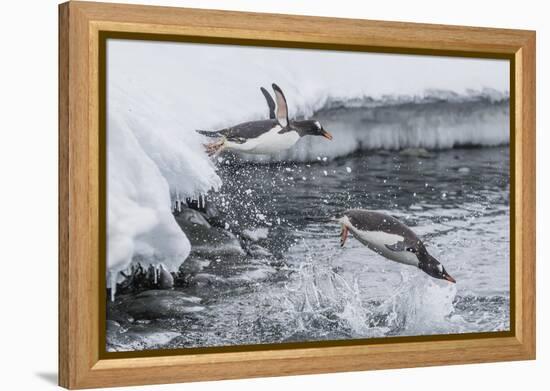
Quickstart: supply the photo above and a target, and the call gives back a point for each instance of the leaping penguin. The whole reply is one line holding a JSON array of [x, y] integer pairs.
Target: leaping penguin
[[390, 238], [265, 136]]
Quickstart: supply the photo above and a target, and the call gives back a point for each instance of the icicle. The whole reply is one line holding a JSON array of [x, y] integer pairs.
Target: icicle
[[112, 281], [166, 281], [178, 201]]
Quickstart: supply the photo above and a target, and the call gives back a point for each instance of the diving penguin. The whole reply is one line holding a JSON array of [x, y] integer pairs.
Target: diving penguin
[[390, 238], [265, 136]]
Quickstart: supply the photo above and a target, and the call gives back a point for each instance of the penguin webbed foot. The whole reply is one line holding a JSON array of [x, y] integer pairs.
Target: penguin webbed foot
[[343, 235], [212, 149]]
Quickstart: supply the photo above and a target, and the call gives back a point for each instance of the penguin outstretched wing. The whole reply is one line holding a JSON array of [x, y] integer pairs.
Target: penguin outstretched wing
[[270, 103], [282, 109], [208, 133]]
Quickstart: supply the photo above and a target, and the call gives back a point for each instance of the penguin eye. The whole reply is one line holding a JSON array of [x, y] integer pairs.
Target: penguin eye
[[440, 268], [411, 250]]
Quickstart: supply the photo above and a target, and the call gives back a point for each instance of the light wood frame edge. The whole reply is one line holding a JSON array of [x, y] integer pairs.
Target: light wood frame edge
[[79, 364]]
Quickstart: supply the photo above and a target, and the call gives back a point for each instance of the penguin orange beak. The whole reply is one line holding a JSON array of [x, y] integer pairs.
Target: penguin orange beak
[[326, 134], [449, 278]]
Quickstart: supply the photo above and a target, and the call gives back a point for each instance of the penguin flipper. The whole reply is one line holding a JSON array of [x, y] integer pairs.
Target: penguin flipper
[[282, 108], [270, 103], [215, 133], [400, 246]]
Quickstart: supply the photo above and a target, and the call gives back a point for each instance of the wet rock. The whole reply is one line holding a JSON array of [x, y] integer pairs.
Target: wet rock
[[134, 280], [255, 235], [258, 251], [160, 304], [208, 241], [190, 216], [159, 277], [116, 316], [205, 279], [112, 332], [193, 266], [139, 337], [212, 211], [138, 278], [112, 326], [165, 278], [252, 274], [219, 243]]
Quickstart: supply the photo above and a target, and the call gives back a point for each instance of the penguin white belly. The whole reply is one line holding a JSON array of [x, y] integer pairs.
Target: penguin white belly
[[268, 143], [378, 240]]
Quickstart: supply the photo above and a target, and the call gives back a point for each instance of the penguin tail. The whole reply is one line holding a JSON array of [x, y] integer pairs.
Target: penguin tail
[[208, 133]]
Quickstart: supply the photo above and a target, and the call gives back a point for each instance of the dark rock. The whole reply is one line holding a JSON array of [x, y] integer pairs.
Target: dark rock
[[190, 216], [193, 266], [252, 274], [205, 279], [116, 315], [212, 211], [258, 251], [112, 326], [139, 337], [138, 279], [207, 241], [160, 304], [188, 269], [164, 279]]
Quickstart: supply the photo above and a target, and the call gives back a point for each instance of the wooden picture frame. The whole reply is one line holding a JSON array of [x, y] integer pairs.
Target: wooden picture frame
[[81, 113]]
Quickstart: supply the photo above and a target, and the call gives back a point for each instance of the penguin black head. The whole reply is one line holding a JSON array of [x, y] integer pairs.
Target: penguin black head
[[310, 128], [431, 266]]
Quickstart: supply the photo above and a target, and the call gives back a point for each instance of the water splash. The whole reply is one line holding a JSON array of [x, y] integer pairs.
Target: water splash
[[420, 305], [321, 295]]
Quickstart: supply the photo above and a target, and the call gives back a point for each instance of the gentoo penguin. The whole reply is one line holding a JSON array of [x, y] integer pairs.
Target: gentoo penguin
[[390, 238], [297, 124], [265, 136]]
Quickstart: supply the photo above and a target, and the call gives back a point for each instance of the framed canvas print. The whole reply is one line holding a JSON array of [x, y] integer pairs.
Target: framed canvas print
[[251, 195]]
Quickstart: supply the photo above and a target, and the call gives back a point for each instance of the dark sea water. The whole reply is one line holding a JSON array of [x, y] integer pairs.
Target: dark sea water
[[295, 283]]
